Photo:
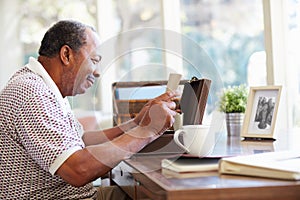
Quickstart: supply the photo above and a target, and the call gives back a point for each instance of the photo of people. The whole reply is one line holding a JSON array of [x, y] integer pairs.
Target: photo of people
[[264, 112], [261, 112]]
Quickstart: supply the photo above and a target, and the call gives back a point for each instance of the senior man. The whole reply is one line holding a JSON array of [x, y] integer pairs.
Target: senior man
[[44, 152]]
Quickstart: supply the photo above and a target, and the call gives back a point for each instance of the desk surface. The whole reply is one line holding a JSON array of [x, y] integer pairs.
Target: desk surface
[[144, 174]]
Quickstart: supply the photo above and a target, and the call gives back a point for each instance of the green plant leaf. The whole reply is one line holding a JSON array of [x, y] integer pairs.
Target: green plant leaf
[[234, 99]]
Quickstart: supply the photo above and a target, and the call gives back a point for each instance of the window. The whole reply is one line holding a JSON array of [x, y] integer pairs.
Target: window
[[221, 37], [35, 22], [39, 15], [232, 34], [132, 51], [293, 66], [139, 41], [225, 43]]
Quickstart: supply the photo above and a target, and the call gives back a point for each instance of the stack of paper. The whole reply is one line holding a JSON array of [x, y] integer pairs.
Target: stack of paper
[[281, 165]]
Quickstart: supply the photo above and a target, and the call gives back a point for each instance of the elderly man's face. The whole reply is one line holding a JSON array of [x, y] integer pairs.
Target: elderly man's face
[[87, 64]]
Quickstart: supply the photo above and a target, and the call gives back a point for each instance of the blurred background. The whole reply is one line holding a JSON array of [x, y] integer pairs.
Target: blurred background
[[232, 42]]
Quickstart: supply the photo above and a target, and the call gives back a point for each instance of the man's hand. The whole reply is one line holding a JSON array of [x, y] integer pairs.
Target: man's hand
[[158, 114]]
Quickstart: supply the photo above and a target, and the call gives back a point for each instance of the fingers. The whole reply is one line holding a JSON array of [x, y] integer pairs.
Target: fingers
[[170, 104], [159, 116], [168, 96]]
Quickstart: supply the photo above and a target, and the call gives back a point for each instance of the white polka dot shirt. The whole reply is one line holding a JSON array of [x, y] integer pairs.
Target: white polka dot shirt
[[38, 133]]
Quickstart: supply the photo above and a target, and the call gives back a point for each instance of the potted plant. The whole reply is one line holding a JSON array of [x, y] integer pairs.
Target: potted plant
[[233, 102]]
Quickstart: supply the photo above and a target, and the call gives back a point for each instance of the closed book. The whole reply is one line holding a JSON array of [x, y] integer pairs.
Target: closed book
[[278, 165], [193, 174], [190, 164]]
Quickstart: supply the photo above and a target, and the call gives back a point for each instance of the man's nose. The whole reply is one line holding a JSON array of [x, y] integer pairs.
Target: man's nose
[[96, 72]]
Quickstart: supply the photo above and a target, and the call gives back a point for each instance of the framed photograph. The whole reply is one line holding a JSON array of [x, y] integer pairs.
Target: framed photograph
[[261, 111]]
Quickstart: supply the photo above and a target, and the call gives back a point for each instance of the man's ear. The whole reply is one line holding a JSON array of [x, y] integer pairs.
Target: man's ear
[[65, 54]]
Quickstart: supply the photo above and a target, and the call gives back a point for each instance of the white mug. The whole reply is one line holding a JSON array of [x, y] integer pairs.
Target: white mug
[[196, 139]]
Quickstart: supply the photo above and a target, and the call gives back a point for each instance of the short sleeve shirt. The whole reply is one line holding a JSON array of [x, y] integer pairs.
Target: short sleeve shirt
[[38, 133]]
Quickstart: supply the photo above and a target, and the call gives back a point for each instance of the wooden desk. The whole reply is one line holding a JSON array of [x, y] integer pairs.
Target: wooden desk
[[142, 177]]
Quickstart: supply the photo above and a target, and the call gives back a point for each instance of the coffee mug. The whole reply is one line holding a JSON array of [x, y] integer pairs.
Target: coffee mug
[[196, 139]]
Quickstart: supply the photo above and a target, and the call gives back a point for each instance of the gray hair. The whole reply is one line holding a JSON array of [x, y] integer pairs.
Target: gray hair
[[66, 32]]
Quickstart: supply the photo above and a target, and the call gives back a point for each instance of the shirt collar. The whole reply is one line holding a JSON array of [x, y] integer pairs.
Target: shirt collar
[[37, 68]]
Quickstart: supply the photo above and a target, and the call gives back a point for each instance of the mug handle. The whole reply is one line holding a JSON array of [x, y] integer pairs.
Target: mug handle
[[176, 140]]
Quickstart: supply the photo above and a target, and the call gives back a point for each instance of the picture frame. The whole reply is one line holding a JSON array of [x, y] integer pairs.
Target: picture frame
[[261, 112], [254, 147]]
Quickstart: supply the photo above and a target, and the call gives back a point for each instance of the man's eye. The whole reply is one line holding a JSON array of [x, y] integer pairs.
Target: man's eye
[[95, 61]]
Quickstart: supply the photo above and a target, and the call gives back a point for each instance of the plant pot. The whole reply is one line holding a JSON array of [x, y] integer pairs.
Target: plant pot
[[234, 123]]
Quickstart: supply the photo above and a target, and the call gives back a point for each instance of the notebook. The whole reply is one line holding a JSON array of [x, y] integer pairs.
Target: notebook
[[279, 165], [190, 164]]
